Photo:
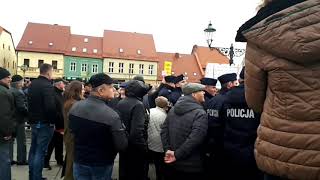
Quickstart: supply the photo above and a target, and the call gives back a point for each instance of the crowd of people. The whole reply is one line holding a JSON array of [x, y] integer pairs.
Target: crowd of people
[[262, 125]]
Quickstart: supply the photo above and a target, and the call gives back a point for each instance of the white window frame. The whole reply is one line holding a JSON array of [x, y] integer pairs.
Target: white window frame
[[121, 67], [111, 67], [151, 68], [84, 66], [141, 68], [75, 66], [95, 51], [84, 50], [131, 69], [93, 68], [74, 49]]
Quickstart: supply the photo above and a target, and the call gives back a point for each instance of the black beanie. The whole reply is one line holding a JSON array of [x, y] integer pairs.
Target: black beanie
[[17, 78], [4, 73]]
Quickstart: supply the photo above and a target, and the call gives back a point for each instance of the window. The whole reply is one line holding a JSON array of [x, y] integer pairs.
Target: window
[[95, 51], [141, 66], [30, 42], [40, 62], [121, 50], [73, 66], [111, 64], [8, 64], [86, 40], [131, 66], [26, 62], [95, 68], [74, 49], [139, 51], [55, 64], [121, 65], [151, 69], [50, 44], [84, 67], [194, 74], [9, 48], [3, 46], [84, 50]]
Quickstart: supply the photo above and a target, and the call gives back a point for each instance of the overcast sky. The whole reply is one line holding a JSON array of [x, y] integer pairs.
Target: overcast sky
[[175, 24]]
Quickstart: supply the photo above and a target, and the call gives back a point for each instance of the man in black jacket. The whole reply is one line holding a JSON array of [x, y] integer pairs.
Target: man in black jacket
[[98, 132], [210, 89], [134, 116], [42, 111], [56, 142], [214, 150], [21, 113], [240, 133], [167, 88], [183, 134], [177, 92], [7, 121]]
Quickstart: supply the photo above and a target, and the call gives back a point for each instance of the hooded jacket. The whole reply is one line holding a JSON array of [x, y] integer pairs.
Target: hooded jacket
[[134, 115], [282, 81], [184, 132]]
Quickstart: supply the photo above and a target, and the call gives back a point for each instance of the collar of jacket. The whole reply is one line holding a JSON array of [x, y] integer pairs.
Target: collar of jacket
[[97, 99], [2, 84], [58, 90], [270, 9], [223, 91], [168, 87], [208, 95], [42, 77], [160, 109]]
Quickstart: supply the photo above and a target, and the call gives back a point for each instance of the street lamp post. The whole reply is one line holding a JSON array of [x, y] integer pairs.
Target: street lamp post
[[231, 52], [24, 68]]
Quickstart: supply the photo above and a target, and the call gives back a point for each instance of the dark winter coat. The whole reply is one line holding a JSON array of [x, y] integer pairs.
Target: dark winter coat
[[21, 105], [134, 115], [41, 100], [215, 123], [59, 107], [7, 110], [167, 91], [207, 97], [175, 95], [184, 132], [240, 131]]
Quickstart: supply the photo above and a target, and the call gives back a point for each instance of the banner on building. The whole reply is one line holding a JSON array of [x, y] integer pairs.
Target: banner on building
[[167, 68]]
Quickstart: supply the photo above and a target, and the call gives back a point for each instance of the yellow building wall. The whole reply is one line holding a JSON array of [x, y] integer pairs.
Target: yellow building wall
[[33, 70], [151, 79], [8, 58]]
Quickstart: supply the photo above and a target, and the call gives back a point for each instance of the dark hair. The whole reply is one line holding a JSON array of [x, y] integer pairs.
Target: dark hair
[[73, 91], [44, 68]]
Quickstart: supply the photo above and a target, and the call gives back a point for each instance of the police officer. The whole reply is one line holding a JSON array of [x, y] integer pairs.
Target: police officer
[[167, 88], [240, 133], [210, 89], [177, 92], [214, 151]]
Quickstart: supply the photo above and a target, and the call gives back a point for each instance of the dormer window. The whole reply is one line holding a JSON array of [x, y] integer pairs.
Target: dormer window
[[84, 50], [95, 51], [30, 42], [194, 74], [86, 40], [139, 51], [121, 50], [50, 44], [74, 49]]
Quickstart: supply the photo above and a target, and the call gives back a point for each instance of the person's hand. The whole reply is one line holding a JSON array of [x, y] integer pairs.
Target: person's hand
[[169, 157]]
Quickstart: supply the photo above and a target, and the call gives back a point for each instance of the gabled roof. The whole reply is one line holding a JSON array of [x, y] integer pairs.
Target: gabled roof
[[181, 64], [44, 38], [205, 56], [78, 43], [130, 44]]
